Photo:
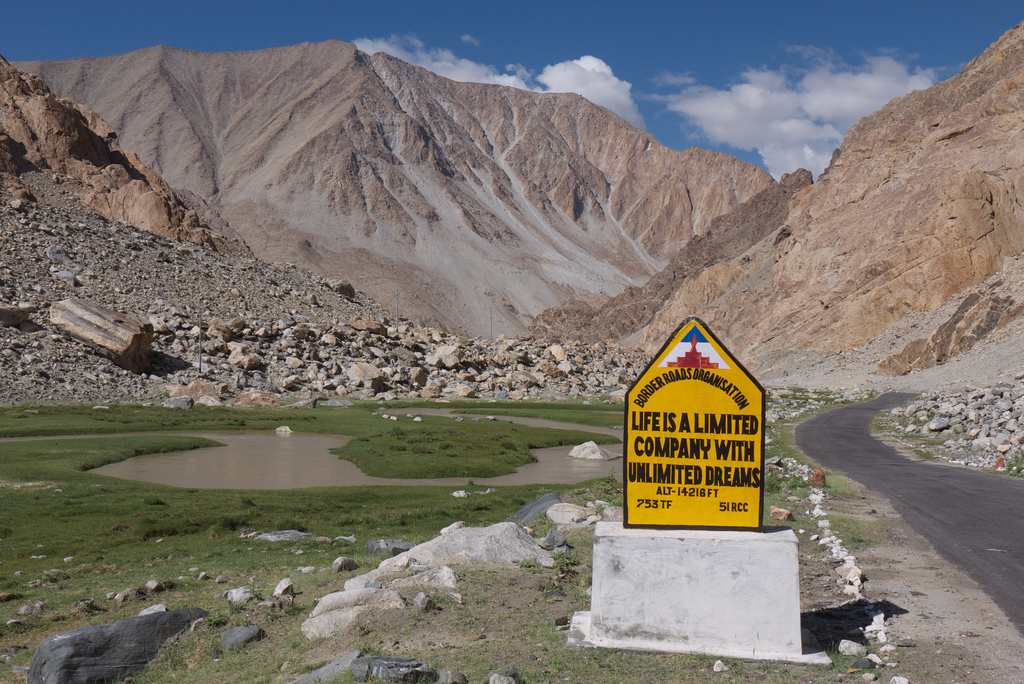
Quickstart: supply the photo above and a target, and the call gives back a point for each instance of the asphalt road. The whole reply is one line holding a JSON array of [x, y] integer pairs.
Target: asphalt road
[[975, 519]]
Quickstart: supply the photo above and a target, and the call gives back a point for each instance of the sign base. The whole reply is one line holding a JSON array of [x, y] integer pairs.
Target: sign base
[[725, 593]]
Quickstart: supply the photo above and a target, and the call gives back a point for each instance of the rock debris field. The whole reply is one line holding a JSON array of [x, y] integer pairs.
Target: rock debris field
[[980, 428], [268, 332]]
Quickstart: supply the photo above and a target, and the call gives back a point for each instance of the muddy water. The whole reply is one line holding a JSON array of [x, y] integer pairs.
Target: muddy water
[[271, 461]]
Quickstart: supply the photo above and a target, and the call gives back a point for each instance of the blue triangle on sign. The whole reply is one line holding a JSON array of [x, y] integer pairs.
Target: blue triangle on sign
[[694, 332]]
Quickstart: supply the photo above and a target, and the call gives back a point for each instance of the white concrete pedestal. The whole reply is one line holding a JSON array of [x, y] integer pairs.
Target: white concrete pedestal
[[734, 594]]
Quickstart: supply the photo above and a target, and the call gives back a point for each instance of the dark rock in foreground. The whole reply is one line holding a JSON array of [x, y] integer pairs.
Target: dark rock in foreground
[[102, 653]]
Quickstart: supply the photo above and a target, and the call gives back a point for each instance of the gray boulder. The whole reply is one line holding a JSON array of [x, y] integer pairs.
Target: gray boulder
[[552, 540], [183, 402], [284, 535], [331, 671], [101, 653], [240, 636], [392, 669], [392, 547], [540, 506]]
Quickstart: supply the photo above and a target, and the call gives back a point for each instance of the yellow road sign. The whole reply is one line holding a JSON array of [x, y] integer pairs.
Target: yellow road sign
[[693, 455]]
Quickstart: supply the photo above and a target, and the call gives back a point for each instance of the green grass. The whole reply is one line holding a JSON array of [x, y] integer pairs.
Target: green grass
[[598, 415], [439, 447], [120, 534]]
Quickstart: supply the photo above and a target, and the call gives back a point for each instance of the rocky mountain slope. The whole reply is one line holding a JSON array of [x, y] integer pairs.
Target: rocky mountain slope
[[921, 207], [631, 310], [471, 201], [39, 131], [237, 324]]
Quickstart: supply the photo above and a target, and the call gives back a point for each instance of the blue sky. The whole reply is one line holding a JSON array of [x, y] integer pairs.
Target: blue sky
[[776, 84]]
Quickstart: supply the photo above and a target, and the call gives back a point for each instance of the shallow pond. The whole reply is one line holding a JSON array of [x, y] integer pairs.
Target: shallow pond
[[271, 461]]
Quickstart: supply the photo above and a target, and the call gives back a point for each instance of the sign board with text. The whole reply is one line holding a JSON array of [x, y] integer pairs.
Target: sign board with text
[[693, 453]]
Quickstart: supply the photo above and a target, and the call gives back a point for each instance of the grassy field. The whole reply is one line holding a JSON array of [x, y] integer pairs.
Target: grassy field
[[68, 534]]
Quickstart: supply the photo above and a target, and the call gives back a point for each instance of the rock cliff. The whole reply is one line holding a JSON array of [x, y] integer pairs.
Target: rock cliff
[[472, 202], [922, 201], [40, 131]]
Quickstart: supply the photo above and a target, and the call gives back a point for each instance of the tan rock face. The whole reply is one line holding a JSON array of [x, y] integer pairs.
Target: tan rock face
[[477, 203], [124, 338], [923, 201], [976, 316], [728, 236], [38, 130]]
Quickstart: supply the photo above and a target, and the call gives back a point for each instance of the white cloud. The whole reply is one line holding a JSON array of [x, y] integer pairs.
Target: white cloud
[[593, 79], [441, 61], [669, 78], [588, 76], [795, 117], [466, 38]]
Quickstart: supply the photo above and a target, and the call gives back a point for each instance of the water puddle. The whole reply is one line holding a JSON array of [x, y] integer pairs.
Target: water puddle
[[271, 461]]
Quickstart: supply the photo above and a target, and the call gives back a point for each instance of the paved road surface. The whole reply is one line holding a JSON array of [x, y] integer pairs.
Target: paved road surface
[[974, 519]]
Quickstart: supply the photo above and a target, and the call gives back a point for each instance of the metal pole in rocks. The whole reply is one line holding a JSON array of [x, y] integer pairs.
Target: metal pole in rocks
[[200, 342]]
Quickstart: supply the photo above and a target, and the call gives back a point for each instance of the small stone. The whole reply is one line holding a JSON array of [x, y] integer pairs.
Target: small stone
[[719, 666], [897, 679], [552, 540], [863, 664], [780, 513], [451, 677], [423, 603], [852, 648], [240, 636], [344, 564], [156, 608], [818, 479], [239, 595], [283, 587]]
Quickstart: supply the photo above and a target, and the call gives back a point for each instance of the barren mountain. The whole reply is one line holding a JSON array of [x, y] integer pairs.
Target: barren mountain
[[39, 131], [461, 197], [921, 204], [632, 309]]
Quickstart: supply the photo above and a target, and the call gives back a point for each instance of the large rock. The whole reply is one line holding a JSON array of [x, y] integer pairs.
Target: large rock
[[256, 398], [332, 671], [123, 338], [343, 609], [527, 513], [392, 669], [102, 653], [590, 451], [243, 357], [12, 316], [504, 542], [197, 389]]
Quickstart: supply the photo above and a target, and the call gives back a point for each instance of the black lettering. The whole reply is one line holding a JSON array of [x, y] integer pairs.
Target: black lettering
[[684, 422], [722, 448], [670, 422], [748, 450]]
